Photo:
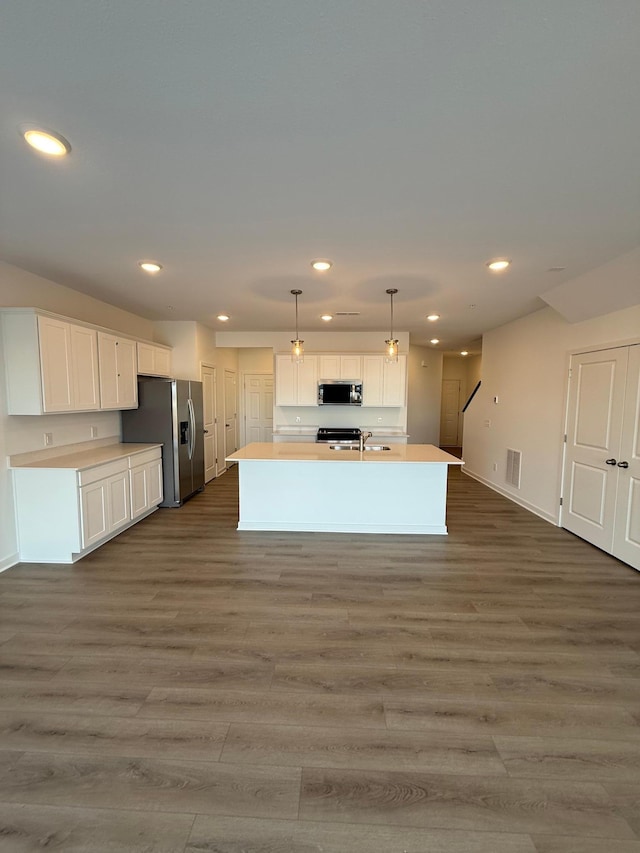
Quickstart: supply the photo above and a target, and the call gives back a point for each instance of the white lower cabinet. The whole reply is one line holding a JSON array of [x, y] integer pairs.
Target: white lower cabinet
[[104, 507], [145, 486], [65, 512]]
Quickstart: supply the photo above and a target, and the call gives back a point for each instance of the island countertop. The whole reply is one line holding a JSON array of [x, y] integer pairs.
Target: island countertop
[[321, 452]]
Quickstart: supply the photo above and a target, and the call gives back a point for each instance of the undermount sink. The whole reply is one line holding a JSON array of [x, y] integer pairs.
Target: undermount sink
[[367, 447]]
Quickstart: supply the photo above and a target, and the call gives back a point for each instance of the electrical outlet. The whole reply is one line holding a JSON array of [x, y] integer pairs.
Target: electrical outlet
[[48, 439], [298, 419], [379, 420], [94, 432], [487, 423]]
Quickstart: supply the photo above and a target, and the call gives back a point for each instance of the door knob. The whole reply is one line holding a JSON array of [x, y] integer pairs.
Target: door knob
[[206, 432], [611, 462], [623, 464]]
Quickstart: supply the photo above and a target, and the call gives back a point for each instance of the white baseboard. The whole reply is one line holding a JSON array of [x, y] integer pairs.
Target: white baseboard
[[7, 562], [541, 513], [334, 527]]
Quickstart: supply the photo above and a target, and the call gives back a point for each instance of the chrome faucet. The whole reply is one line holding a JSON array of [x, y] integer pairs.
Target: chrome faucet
[[362, 439]]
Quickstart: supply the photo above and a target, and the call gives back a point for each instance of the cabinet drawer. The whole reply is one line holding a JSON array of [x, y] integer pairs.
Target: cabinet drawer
[[145, 457], [100, 472]]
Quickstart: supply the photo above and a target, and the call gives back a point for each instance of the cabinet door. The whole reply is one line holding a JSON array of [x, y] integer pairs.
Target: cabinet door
[[162, 362], [394, 381], [145, 359], [308, 381], [329, 367], [84, 360], [351, 367], [118, 501], [286, 381], [139, 491], [372, 380], [154, 483], [55, 362], [107, 354], [127, 379], [94, 512]]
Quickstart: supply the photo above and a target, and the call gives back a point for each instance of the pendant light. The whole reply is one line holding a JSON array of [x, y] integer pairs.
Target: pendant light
[[391, 350], [297, 349]]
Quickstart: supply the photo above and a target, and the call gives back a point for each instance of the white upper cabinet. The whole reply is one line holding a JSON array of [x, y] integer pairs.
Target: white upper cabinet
[[336, 366], [153, 360], [296, 384], [118, 376], [384, 383], [394, 382], [51, 365], [85, 368]]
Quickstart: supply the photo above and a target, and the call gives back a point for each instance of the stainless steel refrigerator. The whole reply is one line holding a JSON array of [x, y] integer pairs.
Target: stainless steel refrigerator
[[170, 411]]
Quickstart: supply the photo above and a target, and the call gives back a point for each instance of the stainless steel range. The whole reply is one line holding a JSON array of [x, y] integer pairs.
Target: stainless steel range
[[339, 435]]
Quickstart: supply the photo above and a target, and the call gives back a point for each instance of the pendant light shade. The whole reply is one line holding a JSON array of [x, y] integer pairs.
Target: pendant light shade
[[391, 349], [297, 346]]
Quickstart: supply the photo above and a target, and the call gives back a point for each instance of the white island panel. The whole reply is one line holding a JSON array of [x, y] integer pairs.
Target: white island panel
[[313, 488], [342, 497]]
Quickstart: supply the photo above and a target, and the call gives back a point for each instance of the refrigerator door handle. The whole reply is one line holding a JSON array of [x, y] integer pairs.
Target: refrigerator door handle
[[192, 427]]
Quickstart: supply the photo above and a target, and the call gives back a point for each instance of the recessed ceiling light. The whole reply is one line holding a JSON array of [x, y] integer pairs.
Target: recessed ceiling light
[[433, 317], [326, 317], [464, 352], [321, 265], [499, 264], [435, 340], [150, 266], [223, 318], [46, 141]]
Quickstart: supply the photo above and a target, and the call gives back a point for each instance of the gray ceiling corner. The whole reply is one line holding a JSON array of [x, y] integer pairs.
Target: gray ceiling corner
[[410, 143]]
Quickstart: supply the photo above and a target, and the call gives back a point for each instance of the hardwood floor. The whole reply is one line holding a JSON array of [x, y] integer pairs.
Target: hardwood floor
[[190, 688]]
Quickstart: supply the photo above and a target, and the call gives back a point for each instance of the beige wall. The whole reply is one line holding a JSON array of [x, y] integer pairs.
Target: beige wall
[[21, 289], [424, 395], [525, 365], [255, 360]]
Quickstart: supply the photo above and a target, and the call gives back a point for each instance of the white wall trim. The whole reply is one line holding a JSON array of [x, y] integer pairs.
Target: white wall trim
[[516, 500], [8, 562]]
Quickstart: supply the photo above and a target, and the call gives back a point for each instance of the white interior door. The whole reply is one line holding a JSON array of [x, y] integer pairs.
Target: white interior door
[[626, 539], [258, 407], [594, 425], [230, 412], [208, 378], [450, 413]]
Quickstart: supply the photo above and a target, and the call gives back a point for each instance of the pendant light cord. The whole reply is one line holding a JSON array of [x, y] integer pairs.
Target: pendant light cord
[[391, 291]]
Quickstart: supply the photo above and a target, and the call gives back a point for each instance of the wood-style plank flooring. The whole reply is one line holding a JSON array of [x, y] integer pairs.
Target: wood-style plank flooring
[[190, 688]]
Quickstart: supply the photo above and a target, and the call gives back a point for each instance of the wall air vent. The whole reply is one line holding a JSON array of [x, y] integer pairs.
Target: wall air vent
[[514, 464], [347, 314]]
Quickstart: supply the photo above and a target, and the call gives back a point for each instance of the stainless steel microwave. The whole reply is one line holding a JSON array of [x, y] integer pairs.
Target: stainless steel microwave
[[339, 392]]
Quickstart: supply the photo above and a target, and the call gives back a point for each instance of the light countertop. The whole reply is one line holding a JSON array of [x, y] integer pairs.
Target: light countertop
[[87, 457], [306, 452]]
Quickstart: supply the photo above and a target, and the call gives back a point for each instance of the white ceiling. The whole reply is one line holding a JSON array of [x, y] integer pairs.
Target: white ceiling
[[409, 141]]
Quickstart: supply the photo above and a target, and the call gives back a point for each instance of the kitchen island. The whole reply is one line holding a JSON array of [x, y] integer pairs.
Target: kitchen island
[[311, 487]]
